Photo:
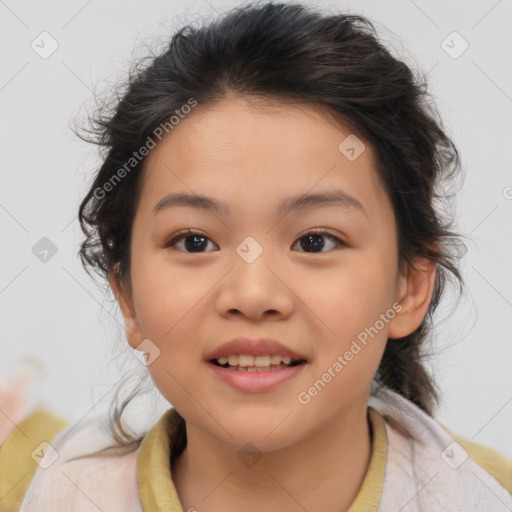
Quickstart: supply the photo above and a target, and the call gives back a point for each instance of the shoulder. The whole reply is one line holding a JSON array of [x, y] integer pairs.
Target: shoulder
[[84, 466], [497, 465], [21, 453], [421, 445]]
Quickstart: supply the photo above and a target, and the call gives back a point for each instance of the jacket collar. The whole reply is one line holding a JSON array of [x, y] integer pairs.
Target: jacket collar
[[168, 437]]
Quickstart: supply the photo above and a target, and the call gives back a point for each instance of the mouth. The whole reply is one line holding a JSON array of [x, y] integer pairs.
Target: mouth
[[256, 363], [256, 374]]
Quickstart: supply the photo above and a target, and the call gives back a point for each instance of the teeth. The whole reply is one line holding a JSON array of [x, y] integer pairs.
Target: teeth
[[254, 363], [245, 360], [262, 361], [257, 368], [275, 359]]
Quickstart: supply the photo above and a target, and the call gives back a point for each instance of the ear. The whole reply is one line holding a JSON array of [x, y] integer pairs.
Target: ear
[[133, 334], [414, 293]]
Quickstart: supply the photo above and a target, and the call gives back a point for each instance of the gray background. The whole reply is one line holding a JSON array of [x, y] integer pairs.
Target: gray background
[[54, 311]]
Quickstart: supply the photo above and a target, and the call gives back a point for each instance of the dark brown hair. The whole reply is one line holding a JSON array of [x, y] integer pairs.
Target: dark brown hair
[[289, 52]]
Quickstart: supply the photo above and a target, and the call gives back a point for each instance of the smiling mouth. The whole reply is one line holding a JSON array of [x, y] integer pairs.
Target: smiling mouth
[[247, 363]]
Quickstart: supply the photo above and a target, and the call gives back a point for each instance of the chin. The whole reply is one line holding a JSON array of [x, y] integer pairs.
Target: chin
[[259, 438]]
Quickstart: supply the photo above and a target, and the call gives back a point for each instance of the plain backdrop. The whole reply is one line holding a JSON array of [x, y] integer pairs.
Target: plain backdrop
[[52, 310]]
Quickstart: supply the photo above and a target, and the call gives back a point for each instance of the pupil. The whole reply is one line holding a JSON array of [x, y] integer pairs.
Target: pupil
[[194, 245], [317, 245]]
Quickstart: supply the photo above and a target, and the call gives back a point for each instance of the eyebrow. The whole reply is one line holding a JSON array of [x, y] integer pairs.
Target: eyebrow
[[300, 202]]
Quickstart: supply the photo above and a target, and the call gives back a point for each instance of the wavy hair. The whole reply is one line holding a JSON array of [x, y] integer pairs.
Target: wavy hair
[[290, 52]]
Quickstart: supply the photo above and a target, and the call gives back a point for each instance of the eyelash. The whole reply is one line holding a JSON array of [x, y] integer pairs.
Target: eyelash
[[189, 233]]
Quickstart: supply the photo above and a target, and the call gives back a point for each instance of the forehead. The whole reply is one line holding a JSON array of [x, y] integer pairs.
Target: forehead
[[255, 152]]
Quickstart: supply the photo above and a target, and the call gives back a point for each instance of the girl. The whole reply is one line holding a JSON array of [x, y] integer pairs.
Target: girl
[[268, 217]]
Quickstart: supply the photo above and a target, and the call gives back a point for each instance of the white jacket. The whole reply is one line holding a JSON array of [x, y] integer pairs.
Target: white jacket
[[426, 472]]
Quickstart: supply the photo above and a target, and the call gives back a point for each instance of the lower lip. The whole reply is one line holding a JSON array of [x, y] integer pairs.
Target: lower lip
[[253, 382]]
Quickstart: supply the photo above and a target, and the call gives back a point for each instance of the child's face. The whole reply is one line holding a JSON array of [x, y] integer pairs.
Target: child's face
[[314, 303]]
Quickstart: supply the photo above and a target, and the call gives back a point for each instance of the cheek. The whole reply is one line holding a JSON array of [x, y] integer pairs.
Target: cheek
[[350, 302], [353, 337], [350, 297], [164, 294], [167, 302]]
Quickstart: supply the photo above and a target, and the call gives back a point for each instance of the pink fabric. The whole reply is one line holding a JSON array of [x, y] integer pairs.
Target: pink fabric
[[19, 393]]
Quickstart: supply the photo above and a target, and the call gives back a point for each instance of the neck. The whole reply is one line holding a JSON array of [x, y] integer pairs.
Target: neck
[[321, 472]]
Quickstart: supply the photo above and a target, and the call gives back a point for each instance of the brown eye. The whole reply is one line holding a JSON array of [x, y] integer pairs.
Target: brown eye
[[193, 242], [315, 241], [196, 242]]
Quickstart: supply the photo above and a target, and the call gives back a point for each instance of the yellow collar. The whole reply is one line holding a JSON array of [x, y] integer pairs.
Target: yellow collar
[[157, 491]]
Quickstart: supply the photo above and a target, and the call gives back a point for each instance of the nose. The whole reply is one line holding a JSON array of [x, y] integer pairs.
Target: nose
[[256, 289]]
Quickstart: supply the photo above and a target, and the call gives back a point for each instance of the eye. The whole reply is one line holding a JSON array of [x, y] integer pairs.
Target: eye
[[313, 240], [194, 241]]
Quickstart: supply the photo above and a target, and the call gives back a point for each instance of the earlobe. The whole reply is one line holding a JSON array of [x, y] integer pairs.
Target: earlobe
[[125, 302], [414, 293]]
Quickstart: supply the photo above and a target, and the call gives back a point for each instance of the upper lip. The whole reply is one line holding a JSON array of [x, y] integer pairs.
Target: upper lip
[[252, 346]]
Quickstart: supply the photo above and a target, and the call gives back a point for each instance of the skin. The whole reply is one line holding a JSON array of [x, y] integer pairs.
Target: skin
[[253, 155]]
